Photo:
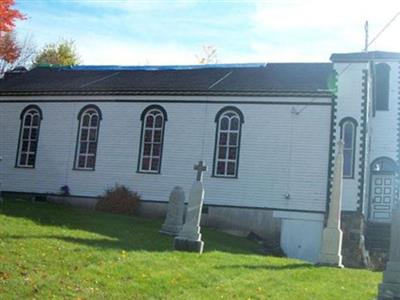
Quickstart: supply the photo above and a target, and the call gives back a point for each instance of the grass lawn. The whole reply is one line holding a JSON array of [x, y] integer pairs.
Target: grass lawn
[[49, 251]]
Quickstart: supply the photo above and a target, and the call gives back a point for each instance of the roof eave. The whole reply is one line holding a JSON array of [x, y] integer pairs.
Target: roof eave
[[363, 57], [276, 93]]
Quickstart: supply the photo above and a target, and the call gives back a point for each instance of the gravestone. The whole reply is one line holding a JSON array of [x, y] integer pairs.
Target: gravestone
[[390, 287], [332, 235], [176, 209], [189, 238]]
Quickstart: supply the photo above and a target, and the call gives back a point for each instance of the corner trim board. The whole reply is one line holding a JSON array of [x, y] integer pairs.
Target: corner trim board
[[363, 140]]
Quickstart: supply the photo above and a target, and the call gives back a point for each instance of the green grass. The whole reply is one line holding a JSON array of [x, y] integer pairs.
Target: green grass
[[55, 252]]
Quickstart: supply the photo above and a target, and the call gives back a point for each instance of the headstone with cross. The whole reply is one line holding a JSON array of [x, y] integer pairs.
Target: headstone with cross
[[390, 286], [189, 238], [200, 168]]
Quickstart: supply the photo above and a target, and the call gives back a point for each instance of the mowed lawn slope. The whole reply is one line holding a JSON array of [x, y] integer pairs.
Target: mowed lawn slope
[[54, 252]]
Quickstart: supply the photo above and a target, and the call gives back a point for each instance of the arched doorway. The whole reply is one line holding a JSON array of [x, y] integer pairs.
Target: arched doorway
[[382, 189]]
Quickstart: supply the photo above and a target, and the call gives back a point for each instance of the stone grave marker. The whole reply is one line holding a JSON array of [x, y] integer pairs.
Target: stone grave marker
[[189, 238], [175, 212], [389, 289]]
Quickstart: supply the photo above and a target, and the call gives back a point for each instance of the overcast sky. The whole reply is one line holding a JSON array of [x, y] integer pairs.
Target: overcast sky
[[172, 32]]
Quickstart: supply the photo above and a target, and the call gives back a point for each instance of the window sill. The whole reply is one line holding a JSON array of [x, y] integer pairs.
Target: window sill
[[149, 172], [224, 177], [25, 167], [78, 169]]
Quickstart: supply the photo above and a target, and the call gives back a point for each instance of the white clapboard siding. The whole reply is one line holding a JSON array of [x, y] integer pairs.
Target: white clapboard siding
[[384, 126], [349, 104], [384, 123], [381, 130], [280, 153]]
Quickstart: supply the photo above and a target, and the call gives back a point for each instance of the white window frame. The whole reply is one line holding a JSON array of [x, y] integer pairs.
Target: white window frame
[[228, 131], [32, 112], [350, 148], [90, 112], [154, 113]]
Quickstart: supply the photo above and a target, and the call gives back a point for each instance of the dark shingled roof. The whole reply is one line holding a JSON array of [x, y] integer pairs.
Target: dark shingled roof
[[364, 56], [280, 78]]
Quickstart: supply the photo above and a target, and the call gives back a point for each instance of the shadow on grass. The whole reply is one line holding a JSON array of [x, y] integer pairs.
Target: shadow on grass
[[95, 242], [116, 231], [267, 267]]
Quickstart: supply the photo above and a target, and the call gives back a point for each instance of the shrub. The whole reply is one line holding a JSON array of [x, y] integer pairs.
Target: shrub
[[119, 200]]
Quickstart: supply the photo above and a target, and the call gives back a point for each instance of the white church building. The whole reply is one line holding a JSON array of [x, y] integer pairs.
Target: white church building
[[267, 133]]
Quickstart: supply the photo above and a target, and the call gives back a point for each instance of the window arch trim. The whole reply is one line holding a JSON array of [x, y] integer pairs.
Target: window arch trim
[[227, 108], [32, 106], [78, 136], [218, 117], [22, 126], [347, 119], [153, 107], [143, 116], [354, 123], [87, 107]]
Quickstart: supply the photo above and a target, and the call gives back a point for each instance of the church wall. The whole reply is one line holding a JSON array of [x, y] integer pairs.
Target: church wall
[[350, 103], [377, 136], [384, 123], [353, 100], [281, 152]]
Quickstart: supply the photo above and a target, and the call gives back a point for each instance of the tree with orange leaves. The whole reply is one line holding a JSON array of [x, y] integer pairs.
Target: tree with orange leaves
[[8, 16], [10, 51]]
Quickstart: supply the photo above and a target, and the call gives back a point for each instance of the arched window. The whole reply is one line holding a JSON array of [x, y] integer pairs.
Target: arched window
[[153, 125], [381, 86], [227, 145], [88, 133], [30, 117], [348, 135]]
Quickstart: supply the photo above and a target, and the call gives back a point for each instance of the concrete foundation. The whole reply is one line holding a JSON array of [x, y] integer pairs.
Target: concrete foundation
[[301, 234], [153, 210], [242, 221], [235, 220], [80, 202]]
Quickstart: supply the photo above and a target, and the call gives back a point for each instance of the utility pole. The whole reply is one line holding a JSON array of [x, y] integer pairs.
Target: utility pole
[[366, 36]]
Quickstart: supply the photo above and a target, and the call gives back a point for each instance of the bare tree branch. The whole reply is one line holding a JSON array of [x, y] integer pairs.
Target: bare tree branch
[[27, 53], [209, 55]]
